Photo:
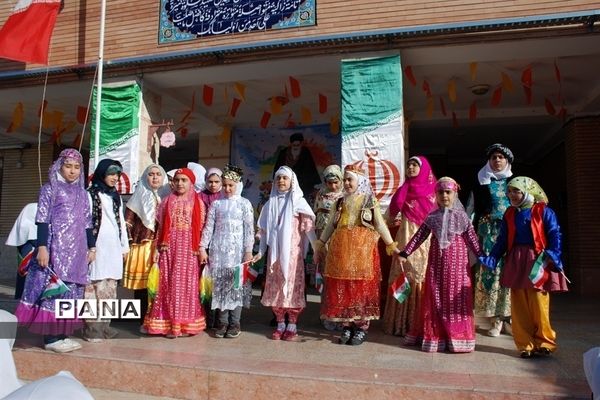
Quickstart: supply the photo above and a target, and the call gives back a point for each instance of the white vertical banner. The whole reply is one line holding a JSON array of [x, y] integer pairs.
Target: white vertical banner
[[372, 123]]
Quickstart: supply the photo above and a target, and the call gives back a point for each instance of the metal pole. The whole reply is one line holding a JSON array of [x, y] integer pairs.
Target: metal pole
[[99, 84]]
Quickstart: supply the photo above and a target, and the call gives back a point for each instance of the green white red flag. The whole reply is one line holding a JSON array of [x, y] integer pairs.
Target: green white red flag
[[54, 287], [244, 273], [26, 34], [539, 273], [400, 288]]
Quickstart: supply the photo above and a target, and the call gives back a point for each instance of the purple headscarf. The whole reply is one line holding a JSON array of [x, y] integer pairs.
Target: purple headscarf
[[66, 154], [416, 197]]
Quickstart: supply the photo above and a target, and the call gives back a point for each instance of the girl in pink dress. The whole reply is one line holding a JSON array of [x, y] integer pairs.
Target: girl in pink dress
[[447, 306], [286, 226]]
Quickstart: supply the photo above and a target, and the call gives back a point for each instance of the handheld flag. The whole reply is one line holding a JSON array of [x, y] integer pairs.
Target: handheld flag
[[26, 33], [539, 275], [400, 288], [243, 273], [319, 281], [24, 264], [54, 287]]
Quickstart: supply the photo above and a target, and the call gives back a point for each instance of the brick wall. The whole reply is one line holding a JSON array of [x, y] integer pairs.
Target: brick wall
[[583, 184], [132, 25]]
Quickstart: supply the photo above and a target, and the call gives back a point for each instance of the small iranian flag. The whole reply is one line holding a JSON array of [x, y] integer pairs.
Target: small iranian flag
[[400, 288], [539, 275], [24, 264], [54, 287], [244, 273], [319, 281]]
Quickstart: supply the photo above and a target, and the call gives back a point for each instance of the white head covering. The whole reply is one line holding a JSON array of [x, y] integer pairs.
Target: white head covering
[[486, 173], [144, 201], [363, 184], [199, 172], [24, 228], [445, 222], [276, 220]]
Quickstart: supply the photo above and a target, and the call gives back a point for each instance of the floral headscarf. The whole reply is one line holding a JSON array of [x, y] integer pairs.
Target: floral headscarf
[[533, 192]]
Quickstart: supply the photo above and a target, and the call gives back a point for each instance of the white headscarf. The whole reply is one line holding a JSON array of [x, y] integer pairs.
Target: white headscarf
[[199, 172], [276, 220], [24, 228], [145, 200], [486, 173]]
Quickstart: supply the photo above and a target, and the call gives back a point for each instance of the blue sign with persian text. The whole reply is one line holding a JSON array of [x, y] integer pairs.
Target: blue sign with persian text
[[189, 19]]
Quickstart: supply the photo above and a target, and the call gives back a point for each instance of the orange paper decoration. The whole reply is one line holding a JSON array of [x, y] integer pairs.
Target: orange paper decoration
[[240, 88], [507, 82], [305, 115], [276, 105], [452, 90], [410, 76], [473, 70], [295, 87], [207, 95], [17, 118]]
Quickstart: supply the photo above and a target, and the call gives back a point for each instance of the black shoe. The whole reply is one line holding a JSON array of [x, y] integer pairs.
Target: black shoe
[[543, 351], [358, 338], [233, 332], [526, 354], [345, 336], [220, 332]]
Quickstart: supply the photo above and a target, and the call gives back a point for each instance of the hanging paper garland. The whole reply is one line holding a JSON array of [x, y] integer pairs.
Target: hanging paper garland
[[507, 82], [240, 88], [264, 121], [497, 96], [527, 81], [322, 103], [295, 87], [452, 90], [426, 88], [235, 104], [409, 75], [207, 95], [473, 70], [17, 118], [305, 115]]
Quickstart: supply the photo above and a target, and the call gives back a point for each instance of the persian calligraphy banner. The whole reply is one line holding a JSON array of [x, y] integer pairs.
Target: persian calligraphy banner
[[185, 20], [373, 122]]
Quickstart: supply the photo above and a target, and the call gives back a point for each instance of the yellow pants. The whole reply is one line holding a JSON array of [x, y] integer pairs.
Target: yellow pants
[[531, 320]]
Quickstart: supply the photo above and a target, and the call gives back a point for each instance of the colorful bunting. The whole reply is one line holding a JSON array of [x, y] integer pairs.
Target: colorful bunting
[[264, 121], [409, 75], [225, 135], [473, 70], [17, 118], [507, 82], [429, 107], [305, 115], [82, 114], [473, 111], [207, 95], [549, 106], [240, 88], [322, 103], [443, 107], [235, 104], [426, 88], [276, 105], [497, 96], [295, 87], [452, 90]]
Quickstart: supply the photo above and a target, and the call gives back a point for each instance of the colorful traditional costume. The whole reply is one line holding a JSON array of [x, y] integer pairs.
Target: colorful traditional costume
[[176, 310], [64, 221], [112, 244], [352, 271], [411, 204], [446, 321], [530, 231], [490, 202], [286, 224]]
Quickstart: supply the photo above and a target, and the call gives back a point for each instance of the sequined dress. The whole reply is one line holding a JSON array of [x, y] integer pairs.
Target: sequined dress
[[228, 234], [64, 206]]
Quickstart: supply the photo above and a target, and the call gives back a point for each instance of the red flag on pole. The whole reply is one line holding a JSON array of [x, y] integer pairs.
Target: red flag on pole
[[26, 33]]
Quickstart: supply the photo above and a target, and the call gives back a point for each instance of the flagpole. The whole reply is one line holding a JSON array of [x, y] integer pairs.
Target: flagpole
[[99, 85]]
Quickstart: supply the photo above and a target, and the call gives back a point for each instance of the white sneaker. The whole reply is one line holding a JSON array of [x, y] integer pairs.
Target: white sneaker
[[507, 328], [63, 346], [496, 328]]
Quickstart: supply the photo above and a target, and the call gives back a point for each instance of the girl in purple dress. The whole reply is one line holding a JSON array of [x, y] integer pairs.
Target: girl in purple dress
[[63, 222]]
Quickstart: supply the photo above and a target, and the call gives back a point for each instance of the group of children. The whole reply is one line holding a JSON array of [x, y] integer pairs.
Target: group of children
[[87, 240]]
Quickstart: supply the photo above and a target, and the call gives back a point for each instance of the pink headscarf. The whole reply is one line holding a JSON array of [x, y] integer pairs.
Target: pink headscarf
[[416, 197]]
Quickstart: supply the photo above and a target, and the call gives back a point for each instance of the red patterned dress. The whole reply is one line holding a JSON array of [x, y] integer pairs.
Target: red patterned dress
[[176, 309], [446, 317]]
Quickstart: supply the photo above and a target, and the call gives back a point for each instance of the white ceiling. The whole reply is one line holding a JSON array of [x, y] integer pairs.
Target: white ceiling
[[525, 127]]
